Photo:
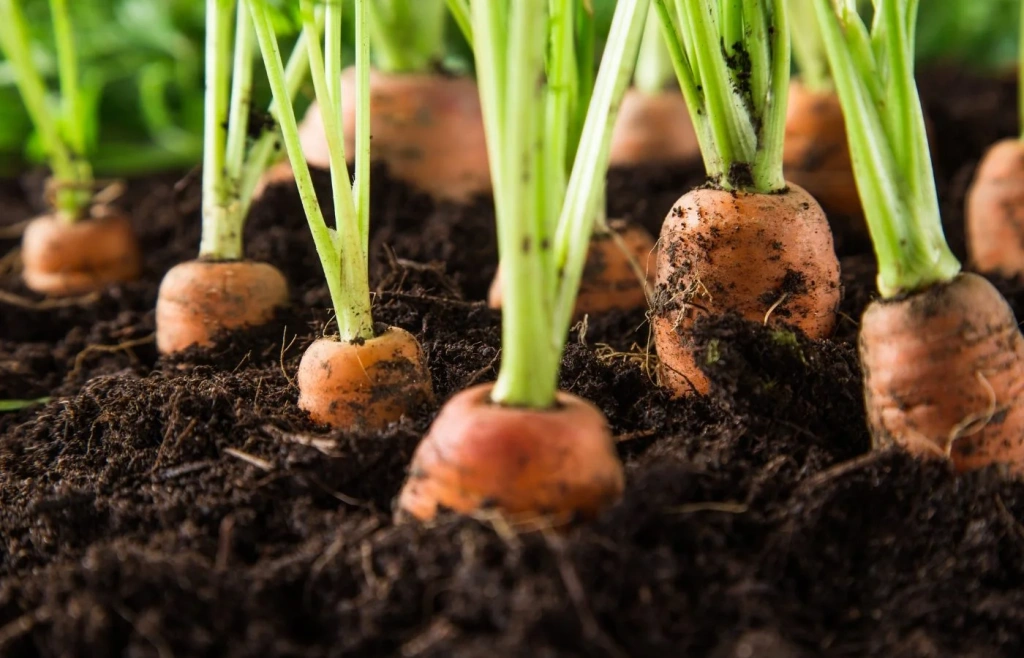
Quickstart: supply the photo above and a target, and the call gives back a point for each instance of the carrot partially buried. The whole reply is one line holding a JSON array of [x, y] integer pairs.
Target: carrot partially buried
[[363, 378], [519, 446], [617, 276], [767, 257], [994, 218], [426, 123], [200, 299], [747, 242], [81, 245], [221, 291], [366, 383], [942, 354], [558, 462], [68, 258]]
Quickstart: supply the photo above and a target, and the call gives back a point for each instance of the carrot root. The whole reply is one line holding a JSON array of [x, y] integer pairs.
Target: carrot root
[[816, 155], [767, 257], [995, 211], [618, 272], [653, 129], [558, 463], [70, 259], [367, 384], [944, 374], [199, 299], [428, 129]]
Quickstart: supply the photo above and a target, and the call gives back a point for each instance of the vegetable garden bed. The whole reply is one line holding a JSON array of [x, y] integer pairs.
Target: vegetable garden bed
[[185, 506]]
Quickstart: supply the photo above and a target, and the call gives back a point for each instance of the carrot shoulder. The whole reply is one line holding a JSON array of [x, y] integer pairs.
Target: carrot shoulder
[[944, 374], [767, 257], [62, 258], [995, 211]]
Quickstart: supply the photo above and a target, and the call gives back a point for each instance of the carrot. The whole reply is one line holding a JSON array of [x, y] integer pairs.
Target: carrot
[[748, 242], [200, 299], [426, 128], [942, 354], [944, 374], [767, 257], [995, 211], [617, 274], [426, 125], [363, 378], [519, 445], [653, 128], [61, 258], [815, 155], [221, 291], [654, 125], [366, 383], [559, 461], [81, 245]]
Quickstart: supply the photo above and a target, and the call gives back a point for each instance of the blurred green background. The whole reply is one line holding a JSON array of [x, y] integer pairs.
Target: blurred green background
[[142, 68]]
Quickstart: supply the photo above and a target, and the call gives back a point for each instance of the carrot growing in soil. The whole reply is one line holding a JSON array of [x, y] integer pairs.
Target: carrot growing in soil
[[815, 154], [995, 200], [746, 242], [426, 124], [619, 266], [943, 358], [654, 125], [366, 376], [519, 444], [221, 291], [81, 245]]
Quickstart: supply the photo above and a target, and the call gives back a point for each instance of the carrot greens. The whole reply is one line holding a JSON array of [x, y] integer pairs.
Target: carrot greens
[[526, 62], [342, 250], [63, 129], [874, 75], [732, 60]]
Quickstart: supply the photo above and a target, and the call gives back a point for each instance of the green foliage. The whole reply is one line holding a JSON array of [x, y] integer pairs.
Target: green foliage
[[980, 34]]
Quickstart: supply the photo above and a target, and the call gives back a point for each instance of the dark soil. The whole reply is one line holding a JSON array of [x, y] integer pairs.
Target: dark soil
[[185, 507]]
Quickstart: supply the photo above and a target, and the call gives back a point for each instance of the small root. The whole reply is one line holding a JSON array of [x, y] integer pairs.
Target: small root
[[125, 346], [774, 306], [49, 303]]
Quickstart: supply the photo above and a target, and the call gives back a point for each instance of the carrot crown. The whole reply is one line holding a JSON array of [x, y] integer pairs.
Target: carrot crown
[[408, 35], [808, 46], [63, 131], [342, 250], [732, 60], [232, 160], [523, 62], [874, 76]]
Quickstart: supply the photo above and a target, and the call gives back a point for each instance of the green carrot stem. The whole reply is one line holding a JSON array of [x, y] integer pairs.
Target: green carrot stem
[[340, 250], [874, 77], [216, 192], [72, 177], [408, 35]]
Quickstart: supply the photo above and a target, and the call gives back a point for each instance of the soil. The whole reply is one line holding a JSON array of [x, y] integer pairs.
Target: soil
[[185, 507]]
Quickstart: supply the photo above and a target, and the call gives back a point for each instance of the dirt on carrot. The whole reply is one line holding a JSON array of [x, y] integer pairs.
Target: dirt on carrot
[[186, 504]]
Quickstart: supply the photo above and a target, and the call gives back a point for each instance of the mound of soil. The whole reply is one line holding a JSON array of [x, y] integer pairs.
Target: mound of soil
[[184, 506]]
